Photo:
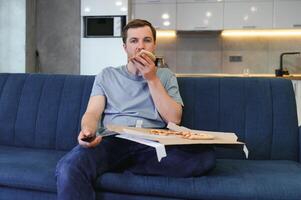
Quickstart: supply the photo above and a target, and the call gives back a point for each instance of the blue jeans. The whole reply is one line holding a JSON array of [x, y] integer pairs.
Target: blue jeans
[[78, 170]]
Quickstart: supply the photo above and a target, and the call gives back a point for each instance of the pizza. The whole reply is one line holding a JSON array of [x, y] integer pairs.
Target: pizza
[[164, 132], [149, 54], [184, 134]]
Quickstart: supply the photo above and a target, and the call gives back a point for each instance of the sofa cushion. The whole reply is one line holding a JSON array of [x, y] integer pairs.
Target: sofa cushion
[[42, 110], [27, 168], [10, 193], [231, 179]]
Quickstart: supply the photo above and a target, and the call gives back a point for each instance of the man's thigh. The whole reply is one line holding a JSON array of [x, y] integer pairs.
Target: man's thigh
[[107, 155]]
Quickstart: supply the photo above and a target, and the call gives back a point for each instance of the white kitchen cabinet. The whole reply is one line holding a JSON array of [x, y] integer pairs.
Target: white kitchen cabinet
[[250, 14], [199, 15], [287, 14], [103, 7], [197, 1], [162, 14]]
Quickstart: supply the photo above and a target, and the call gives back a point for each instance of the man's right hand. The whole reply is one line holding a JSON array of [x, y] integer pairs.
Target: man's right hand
[[86, 133]]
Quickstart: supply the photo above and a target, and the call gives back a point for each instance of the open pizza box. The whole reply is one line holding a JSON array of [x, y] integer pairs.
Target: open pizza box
[[152, 137]]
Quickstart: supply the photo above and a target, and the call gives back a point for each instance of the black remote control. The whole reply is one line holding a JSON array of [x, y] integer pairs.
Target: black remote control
[[89, 138]]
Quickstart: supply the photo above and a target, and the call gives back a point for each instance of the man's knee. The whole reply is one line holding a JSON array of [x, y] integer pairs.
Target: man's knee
[[65, 170], [207, 162], [71, 165], [73, 175]]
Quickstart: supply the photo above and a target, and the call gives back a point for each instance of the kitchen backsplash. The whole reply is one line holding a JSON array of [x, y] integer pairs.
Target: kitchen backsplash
[[209, 52]]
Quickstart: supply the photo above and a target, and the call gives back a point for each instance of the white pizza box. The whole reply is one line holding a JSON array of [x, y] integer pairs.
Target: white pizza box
[[143, 136], [223, 138]]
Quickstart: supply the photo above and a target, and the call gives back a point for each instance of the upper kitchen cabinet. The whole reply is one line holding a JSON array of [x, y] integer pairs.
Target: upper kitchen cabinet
[[249, 14], [200, 15], [104, 7], [161, 13], [287, 14]]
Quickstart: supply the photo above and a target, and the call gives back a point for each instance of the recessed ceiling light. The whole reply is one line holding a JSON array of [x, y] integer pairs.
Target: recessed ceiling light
[[118, 3], [165, 16], [166, 23], [253, 9], [208, 14]]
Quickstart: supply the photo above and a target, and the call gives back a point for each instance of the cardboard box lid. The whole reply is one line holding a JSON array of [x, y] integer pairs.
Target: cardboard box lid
[[223, 138]]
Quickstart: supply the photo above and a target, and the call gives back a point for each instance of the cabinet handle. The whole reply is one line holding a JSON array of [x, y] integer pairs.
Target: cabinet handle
[[251, 27], [297, 25]]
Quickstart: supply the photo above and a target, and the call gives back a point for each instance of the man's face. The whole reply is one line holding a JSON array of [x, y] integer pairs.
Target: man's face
[[138, 39]]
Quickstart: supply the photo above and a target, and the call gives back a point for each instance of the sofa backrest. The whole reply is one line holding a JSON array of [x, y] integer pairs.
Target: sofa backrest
[[42, 111], [261, 111]]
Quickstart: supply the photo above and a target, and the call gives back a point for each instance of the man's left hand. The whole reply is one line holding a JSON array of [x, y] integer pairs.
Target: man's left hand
[[146, 66]]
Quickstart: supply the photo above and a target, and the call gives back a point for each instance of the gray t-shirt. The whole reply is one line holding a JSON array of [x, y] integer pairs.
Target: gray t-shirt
[[128, 97]]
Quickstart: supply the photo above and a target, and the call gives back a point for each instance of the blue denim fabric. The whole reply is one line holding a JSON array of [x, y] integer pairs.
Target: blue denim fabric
[[77, 171], [181, 161]]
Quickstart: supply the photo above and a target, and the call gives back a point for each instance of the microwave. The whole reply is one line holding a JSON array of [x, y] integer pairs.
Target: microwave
[[103, 26]]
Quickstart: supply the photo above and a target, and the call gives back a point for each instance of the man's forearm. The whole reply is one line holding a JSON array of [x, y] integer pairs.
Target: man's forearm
[[169, 109], [90, 122]]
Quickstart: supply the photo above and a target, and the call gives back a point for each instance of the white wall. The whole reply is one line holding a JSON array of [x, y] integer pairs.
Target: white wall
[[12, 35], [98, 53]]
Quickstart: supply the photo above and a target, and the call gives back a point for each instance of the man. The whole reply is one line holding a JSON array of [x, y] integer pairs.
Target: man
[[134, 92]]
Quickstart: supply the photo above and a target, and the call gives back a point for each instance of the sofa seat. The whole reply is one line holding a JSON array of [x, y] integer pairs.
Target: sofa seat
[[27, 168], [231, 179], [34, 169]]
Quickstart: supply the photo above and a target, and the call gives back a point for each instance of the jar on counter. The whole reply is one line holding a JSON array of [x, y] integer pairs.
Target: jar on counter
[[160, 62]]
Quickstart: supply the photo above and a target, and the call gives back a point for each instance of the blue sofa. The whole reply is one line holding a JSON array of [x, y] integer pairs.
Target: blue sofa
[[40, 120]]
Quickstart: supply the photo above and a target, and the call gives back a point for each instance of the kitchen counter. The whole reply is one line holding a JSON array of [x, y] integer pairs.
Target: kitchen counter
[[291, 76]]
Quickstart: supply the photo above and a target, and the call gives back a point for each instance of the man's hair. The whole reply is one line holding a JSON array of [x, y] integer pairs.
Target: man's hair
[[137, 23]]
